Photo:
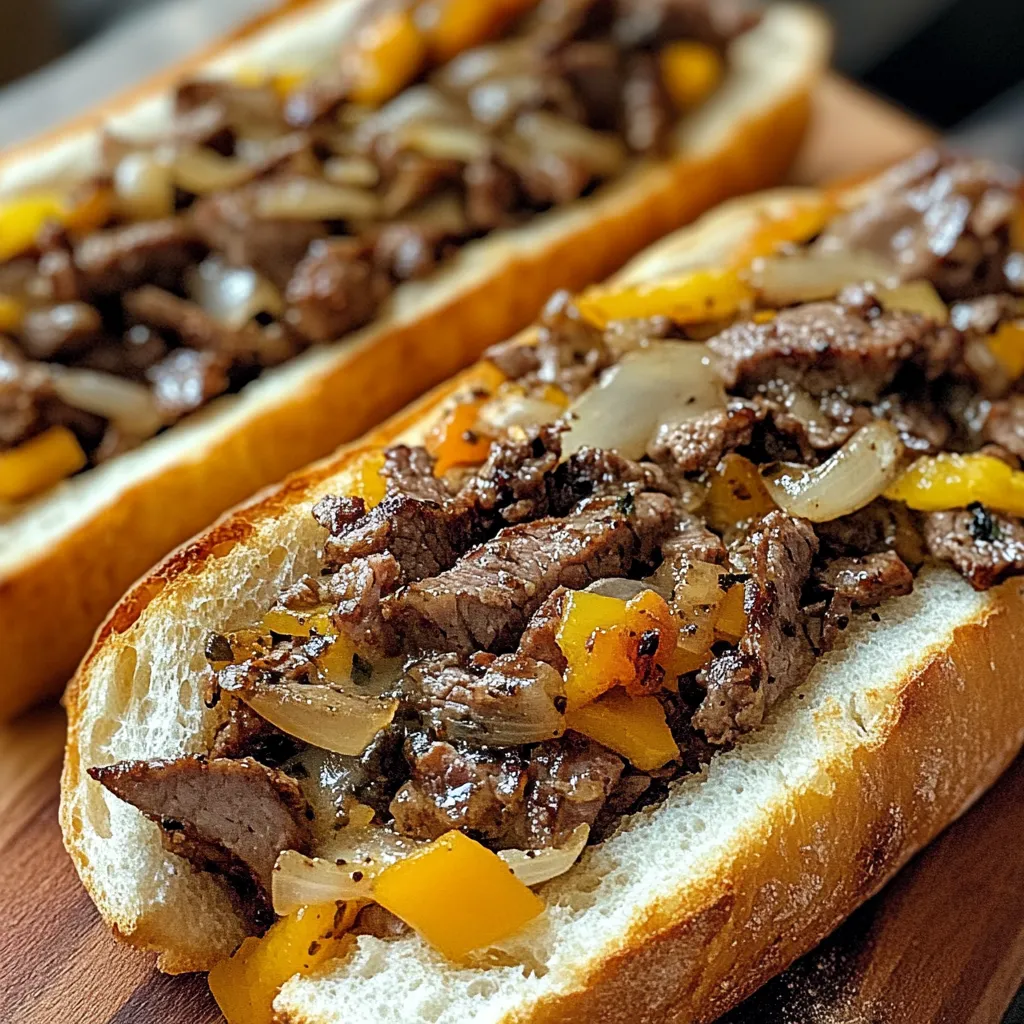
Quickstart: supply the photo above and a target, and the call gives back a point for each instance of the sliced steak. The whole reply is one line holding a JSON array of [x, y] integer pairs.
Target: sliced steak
[[245, 734], [186, 379], [485, 600], [984, 546], [699, 444], [497, 702], [569, 782], [335, 288], [410, 471], [229, 224], [540, 638], [943, 219], [825, 347], [355, 593], [692, 541], [453, 786], [774, 653], [153, 252], [232, 817], [1004, 425]]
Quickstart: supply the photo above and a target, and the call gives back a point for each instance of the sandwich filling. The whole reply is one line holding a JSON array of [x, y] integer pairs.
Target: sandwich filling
[[279, 212], [614, 558]]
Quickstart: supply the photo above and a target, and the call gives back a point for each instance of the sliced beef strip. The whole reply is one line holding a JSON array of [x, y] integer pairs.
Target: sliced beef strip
[[923, 426], [153, 252], [245, 734], [230, 224], [485, 600], [826, 347], [881, 526], [540, 638], [943, 219], [410, 471], [571, 352], [335, 288], [1004, 425], [459, 699], [196, 328], [692, 541], [355, 593], [569, 782], [61, 331], [774, 653], [228, 816], [984, 546], [858, 583], [186, 379], [454, 786], [699, 444]]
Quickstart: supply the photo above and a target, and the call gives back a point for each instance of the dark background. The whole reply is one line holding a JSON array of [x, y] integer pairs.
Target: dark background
[[957, 64]]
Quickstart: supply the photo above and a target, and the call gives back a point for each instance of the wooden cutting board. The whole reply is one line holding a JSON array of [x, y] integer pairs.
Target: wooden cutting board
[[943, 944]]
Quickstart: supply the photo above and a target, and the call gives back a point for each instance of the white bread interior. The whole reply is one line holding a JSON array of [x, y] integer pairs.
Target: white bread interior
[[679, 915], [64, 554]]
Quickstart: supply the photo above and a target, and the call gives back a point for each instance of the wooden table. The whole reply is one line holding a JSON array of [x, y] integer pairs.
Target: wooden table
[[944, 944]]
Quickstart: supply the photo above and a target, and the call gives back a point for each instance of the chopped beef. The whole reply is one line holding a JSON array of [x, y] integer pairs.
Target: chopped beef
[[774, 653], [984, 314], [233, 817], [699, 444], [982, 545], [1004, 425], [335, 289], [825, 347], [514, 358], [598, 472], [60, 331], [407, 250], [187, 379], [410, 471], [289, 662], [540, 637], [569, 781], [941, 219], [922, 425], [488, 704], [692, 541], [492, 194], [571, 352], [858, 583], [881, 526], [230, 224], [455, 786], [485, 600], [355, 593], [153, 252], [245, 734], [192, 325]]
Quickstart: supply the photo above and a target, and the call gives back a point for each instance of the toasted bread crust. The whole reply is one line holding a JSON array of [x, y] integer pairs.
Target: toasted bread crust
[[75, 577]]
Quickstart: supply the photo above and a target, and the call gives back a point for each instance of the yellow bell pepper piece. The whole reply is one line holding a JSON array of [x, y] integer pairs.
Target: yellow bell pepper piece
[[730, 616], [246, 984], [457, 894], [691, 72], [289, 623], [697, 296], [459, 25], [596, 660], [634, 727], [1007, 345], [11, 313], [389, 53], [736, 494], [369, 484], [23, 218], [39, 463], [454, 440], [794, 228], [90, 212], [283, 82], [936, 482], [336, 663]]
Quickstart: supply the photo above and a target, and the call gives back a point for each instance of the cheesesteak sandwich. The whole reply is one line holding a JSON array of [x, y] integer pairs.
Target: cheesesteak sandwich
[[606, 680], [412, 176]]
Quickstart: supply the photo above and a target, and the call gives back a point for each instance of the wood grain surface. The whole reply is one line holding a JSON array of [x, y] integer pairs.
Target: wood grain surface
[[944, 944]]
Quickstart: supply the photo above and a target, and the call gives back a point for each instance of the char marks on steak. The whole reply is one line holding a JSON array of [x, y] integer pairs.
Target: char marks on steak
[[826, 347], [937, 218], [774, 652], [984, 546], [485, 600], [229, 816]]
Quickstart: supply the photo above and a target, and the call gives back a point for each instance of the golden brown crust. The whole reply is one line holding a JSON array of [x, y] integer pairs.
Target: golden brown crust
[[75, 580]]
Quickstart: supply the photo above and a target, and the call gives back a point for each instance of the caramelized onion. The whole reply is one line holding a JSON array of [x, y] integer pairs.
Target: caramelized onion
[[809, 276], [129, 405], [351, 170], [532, 867], [232, 295], [665, 382], [915, 297], [850, 479], [202, 171], [144, 186], [600, 152], [312, 199], [517, 409], [300, 881], [322, 715], [445, 141], [618, 587]]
